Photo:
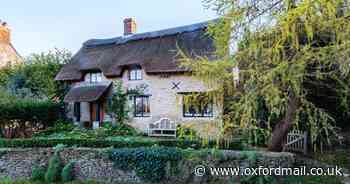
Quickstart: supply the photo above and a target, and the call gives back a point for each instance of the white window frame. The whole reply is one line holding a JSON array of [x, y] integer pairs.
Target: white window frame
[[95, 77], [135, 74]]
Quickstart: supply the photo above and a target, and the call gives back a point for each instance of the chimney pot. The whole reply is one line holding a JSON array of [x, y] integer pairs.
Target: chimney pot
[[129, 26]]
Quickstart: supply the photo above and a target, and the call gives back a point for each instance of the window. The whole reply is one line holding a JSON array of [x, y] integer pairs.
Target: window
[[135, 73], [142, 106], [95, 77], [197, 105]]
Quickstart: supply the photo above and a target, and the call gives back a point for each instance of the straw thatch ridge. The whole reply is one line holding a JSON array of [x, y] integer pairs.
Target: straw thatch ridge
[[155, 52]]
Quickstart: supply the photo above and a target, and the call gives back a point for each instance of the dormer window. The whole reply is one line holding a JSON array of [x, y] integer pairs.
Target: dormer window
[[135, 73], [95, 77]]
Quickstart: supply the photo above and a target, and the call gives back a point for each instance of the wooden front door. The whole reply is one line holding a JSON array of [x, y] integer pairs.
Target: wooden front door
[[96, 109]]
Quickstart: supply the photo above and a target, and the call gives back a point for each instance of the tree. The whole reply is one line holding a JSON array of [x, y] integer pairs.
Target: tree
[[284, 49], [117, 107], [36, 77]]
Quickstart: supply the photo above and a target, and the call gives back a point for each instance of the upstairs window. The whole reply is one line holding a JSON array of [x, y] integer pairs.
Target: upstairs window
[[197, 105], [95, 77], [135, 73]]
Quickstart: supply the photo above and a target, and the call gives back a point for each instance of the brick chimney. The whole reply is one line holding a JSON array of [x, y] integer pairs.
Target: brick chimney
[[129, 26], [5, 32]]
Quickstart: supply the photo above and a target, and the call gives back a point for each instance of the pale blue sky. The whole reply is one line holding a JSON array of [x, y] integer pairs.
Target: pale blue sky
[[40, 25]]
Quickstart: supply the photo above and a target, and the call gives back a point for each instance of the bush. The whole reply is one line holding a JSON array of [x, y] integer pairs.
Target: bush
[[53, 172], [234, 144], [121, 129], [183, 132], [68, 172], [59, 126], [19, 118], [38, 173], [45, 112], [148, 163]]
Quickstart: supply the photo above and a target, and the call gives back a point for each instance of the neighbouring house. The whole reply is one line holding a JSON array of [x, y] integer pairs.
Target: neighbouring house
[[8, 54], [149, 61]]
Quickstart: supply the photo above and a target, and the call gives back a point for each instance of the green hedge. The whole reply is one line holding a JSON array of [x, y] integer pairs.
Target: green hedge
[[34, 111], [34, 143]]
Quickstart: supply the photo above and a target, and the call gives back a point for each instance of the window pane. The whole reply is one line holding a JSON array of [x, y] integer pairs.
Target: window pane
[[146, 107], [98, 77], [197, 106], [142, 106], [132, 75], [135, 74], [138, 74], [138, 106]]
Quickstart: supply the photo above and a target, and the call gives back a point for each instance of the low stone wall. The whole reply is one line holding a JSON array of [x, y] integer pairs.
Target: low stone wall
[[93, 164]]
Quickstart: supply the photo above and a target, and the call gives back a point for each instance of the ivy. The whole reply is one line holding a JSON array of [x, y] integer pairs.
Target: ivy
[[150, 164]]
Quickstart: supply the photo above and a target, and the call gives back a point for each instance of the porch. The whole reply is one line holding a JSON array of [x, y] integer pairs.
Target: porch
[[89, 103]]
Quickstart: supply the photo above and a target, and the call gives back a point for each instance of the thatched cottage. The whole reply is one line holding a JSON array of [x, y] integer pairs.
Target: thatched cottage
[[148, 61], [8, 54]]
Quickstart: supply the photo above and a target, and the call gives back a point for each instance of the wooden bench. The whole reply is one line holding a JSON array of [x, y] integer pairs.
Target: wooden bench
[[162, 128]]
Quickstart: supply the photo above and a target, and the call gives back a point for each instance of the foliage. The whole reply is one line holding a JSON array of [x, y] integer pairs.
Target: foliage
[[285, 49], [21, 117], [38, 173], [63, 129], [313, 180], [35, 78], [59, 127], [117, 106], [148, 163], [118, 142], [67, 174], [121, 129], [184, 132], [339, 158], [53, 173], [45, 112], [9, 181]]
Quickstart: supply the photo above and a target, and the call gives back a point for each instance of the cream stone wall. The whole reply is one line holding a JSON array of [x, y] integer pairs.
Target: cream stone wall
[[164, 100]]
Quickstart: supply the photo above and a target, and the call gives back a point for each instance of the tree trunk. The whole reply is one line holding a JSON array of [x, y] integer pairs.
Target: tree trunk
[[283, 127]]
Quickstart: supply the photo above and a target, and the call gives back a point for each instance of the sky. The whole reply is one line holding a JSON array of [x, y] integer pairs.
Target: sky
[[40, 25]]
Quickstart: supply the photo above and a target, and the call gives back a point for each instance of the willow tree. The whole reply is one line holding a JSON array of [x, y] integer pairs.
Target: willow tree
[[281, 47]]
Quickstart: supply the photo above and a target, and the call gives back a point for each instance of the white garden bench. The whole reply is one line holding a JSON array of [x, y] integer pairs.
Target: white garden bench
[[162, 128]]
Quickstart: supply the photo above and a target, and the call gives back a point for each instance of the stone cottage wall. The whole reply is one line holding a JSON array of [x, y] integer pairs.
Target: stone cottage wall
[[165, 100], [92, 164]]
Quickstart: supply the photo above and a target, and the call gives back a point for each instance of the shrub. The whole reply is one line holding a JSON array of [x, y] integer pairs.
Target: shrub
[[67, 172], [234, 144], [45, 112], [38, 173], [183, 132], [121, 129], [59, 126], [20, 115], [148, 163], [53, 172]]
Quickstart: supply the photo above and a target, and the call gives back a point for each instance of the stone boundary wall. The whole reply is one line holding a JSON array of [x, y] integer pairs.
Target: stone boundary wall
[[93, 164]]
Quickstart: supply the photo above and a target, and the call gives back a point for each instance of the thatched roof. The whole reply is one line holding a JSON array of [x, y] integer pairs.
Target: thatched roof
[[155, 52], [86, 93]]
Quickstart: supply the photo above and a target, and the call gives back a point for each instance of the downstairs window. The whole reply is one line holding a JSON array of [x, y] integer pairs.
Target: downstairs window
[[197, 105], [142, 106]]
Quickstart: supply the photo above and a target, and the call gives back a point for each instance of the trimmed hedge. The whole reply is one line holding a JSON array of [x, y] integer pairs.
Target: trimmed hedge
[[235, 144], [34, 111]]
